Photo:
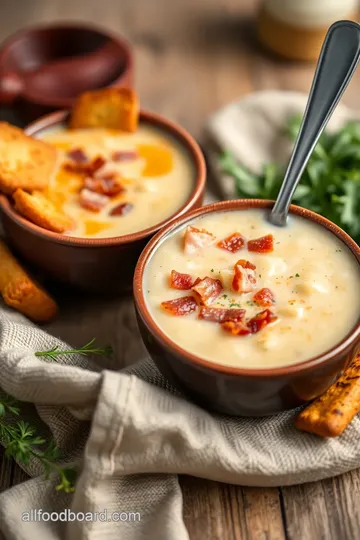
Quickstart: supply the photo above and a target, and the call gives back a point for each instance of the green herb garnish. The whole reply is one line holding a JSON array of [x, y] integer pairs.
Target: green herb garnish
[[89, 348], [22, 443], [330, 184]]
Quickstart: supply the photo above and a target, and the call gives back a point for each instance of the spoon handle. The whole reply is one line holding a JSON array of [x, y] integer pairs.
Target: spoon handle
[[338, 59]]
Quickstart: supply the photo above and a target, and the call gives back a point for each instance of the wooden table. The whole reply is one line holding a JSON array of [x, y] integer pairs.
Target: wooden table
[[192, 57]]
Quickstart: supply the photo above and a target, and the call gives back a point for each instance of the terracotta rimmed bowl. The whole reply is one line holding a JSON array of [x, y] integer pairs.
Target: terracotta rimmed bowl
[[232, 390], [94, 264], [101, 59]]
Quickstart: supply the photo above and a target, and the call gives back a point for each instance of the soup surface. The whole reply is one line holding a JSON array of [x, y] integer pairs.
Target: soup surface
[[282, 300], [152, 172]]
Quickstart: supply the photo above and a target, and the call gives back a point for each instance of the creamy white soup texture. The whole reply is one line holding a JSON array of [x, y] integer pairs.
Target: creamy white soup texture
[[299, 299], [145, 177]]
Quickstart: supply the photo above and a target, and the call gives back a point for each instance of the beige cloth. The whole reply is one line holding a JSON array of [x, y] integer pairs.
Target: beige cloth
[[130, 435]]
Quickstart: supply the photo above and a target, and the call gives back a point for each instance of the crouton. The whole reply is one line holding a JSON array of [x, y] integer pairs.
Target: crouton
[[20, 292], [38, 209], [25, 163], [113, 108]]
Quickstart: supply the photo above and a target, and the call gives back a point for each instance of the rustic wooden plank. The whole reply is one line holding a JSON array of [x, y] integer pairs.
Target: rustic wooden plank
[[6, 473], [219, 511], [327, 509]]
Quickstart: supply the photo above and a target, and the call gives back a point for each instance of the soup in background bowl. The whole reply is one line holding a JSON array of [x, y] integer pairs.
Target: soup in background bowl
[[246, 317], [100, 254]]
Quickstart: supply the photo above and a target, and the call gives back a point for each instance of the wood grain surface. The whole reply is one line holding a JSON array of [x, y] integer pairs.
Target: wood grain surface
[[192, 57]]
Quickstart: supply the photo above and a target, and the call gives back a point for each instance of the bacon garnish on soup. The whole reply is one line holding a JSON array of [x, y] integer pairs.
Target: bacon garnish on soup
[[261, 320], [264, 297], [232, 243], [196, 240], [105, 186], [78, 155], [180, 281], [124, 155], [89, 167], [236, 328], [121, 209], [220, 315], [265, 244], [207, 290], [244, 280], [92, 201], [180, 306]]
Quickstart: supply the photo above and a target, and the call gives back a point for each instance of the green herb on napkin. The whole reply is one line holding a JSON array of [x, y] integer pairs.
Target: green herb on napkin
[[330, 184], [89, 348]]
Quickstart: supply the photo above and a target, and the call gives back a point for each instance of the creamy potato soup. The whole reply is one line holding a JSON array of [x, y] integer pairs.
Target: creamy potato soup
[[114, 183], [233, 289]]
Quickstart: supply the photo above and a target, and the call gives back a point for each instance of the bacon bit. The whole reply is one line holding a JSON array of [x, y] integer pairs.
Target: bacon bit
[[232, 243], [244, 278], [121, 209], [78, 155], [88, 168], [220, 315], [124, 155], [180, 281], [207, 290], [197, 239], [264, 297], [265, 244], [180, 306], [261, 320], [105, 186], [236, 328], [92, 201]]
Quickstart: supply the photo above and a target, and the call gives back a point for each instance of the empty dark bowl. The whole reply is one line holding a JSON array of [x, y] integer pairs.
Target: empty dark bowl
[[44, 68], [235, 390], [94, 264]]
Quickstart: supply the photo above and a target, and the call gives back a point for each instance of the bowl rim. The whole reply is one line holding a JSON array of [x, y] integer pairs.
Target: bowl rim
[[63, 103], [239, 204], [58, 117]]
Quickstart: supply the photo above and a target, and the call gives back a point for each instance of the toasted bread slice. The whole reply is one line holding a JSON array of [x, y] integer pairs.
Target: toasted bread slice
[[20, 292], [36, 207], [25, 162], [113, 108]]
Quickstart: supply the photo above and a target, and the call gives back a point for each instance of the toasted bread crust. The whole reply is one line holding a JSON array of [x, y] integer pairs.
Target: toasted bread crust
[[113, 108], [25, 162], [20, 292], [39, 210], [329, 414]]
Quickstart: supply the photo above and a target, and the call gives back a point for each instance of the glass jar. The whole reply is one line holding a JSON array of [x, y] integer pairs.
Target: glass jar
[[296, 28]]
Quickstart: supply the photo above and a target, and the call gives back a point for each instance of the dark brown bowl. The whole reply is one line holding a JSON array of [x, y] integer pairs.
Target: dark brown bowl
[[102, 59], [232, 390], [102, 264]]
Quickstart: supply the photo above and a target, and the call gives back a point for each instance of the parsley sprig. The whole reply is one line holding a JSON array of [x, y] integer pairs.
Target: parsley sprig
[[330, 184], [20, 438], [22, 443]]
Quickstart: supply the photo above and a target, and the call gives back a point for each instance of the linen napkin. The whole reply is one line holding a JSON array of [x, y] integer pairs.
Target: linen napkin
[[130, 434]]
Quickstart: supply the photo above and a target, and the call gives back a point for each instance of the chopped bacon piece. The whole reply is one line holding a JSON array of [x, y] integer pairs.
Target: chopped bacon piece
[[260, 320], [232, 243], [220, 315], [89, 167], [180, 281], [92, 201], [105, 186], [265, 244], [207, 290], [180, 306], [244, 278], [197, 239], [121, 209], [78, 155], [236, 328], [197, 280], [264, 297], [124, 155]]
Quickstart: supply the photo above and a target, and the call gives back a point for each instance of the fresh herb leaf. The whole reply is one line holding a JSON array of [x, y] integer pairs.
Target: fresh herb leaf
[[89, 348]]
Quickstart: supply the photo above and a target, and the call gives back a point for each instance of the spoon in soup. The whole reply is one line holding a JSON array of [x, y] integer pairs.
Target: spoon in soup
[[338, 59]]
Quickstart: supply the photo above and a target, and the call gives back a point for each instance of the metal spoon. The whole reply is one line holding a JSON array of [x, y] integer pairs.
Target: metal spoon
[[338, 59]]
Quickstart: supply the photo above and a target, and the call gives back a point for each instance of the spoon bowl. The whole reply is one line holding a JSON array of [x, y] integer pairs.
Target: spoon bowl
[[338, 60]]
